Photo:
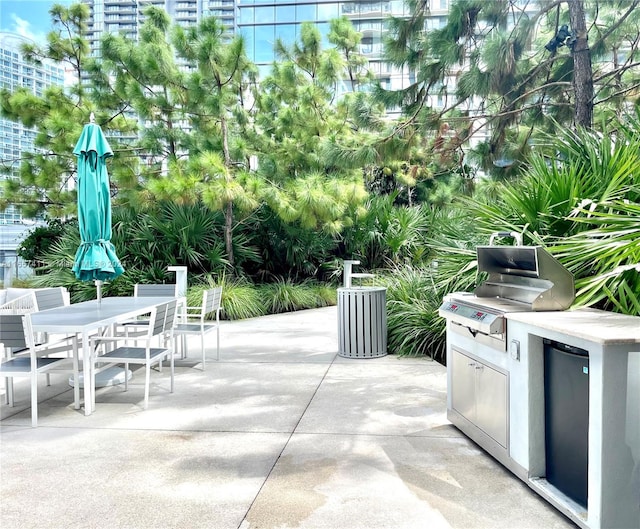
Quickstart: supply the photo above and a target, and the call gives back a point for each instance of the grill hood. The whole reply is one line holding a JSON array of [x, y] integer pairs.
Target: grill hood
[[526, 274]]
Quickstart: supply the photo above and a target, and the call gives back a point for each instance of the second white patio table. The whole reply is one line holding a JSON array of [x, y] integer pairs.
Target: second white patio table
[[88, 317]]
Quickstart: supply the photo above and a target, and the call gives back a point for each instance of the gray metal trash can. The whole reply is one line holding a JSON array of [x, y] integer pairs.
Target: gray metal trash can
[[362, 322]]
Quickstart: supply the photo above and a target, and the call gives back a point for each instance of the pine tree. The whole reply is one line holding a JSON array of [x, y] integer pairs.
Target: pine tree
[[297, 120], [510, 69], [47, 176]]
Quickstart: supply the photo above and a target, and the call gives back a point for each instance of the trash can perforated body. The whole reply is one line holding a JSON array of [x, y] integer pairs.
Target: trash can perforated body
[[362, 322]]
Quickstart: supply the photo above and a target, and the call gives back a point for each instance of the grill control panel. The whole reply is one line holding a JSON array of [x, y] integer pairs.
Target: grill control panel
[[466, 311], [473, 317]]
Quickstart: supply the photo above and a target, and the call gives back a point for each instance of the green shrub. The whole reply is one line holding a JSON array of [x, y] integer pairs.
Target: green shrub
[[414, 327], [240, 299], [326, 295], [285, 296]]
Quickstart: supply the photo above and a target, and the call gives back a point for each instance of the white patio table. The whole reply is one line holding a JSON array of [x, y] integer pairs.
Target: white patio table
[[88, 317]]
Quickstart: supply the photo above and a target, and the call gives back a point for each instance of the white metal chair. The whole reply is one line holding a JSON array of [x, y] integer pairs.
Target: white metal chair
[[161, 324], [211, 304], [36, 299], [24, 304], [10, 342], [138, 326], [28, 359]]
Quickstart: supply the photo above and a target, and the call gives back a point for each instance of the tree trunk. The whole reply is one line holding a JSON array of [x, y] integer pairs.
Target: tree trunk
[[228, 232], [228, 213], [582, 71]]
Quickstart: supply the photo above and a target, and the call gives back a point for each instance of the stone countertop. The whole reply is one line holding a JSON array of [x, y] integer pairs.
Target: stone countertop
[[590, 324]]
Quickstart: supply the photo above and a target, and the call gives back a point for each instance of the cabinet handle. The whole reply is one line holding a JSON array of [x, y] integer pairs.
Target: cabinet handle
[[472, 364], [479, 367]]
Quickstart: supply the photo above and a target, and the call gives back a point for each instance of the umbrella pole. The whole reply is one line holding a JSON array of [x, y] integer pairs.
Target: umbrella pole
[[99, 289]]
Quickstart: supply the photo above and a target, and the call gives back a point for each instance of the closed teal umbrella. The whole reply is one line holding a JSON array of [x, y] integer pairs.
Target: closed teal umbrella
[[96, 258]]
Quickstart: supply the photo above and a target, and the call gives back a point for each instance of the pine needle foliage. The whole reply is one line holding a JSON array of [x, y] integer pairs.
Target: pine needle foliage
[[509, 76]]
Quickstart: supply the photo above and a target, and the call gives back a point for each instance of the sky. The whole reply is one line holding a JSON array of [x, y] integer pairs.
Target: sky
[[29, 18]]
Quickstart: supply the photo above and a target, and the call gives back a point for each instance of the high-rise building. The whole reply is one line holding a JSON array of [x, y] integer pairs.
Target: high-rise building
[[15, 138], [125, 16], [262, 22]]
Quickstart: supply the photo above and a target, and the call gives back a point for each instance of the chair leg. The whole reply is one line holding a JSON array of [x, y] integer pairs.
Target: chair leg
[[147, 382], [172, 368], [9, 389], [202, 348], [34, 399], [218, 342], [126, 377]]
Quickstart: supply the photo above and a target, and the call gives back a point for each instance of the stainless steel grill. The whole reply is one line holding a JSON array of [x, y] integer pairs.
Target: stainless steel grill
[[519, 278]]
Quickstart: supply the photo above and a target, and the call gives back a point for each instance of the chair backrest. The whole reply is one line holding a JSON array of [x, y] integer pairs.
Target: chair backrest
[[211, 301], [162, 318], [170, 315], [50, 298], [22, 305], [28, 335], [157, 290], [12, 331]]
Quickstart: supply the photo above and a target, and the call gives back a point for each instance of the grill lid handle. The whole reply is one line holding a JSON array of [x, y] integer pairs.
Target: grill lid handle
[[517, 236]]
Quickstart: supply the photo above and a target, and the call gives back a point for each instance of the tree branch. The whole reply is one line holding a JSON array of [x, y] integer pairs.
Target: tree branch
[[618, 93], [618, 23], [623, 68]]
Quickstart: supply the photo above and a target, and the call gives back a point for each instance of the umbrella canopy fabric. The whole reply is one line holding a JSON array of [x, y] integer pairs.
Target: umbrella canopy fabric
[[96, 257]]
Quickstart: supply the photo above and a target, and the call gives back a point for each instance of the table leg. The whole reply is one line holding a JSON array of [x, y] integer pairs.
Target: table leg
[[76, 374], [87, 369]]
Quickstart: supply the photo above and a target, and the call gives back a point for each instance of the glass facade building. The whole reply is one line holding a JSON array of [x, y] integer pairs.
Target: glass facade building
[[262, 22]]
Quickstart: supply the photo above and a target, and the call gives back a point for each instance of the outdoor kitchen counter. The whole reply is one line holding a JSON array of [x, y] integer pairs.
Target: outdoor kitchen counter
[[592, 325], [613, 344]]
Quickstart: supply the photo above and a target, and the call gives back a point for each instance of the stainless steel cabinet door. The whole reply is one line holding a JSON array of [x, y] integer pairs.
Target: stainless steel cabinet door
[[463, 382], [479, 393], [491, 403]]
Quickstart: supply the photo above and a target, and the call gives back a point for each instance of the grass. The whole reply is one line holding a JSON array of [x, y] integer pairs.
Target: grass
[[242, 299]]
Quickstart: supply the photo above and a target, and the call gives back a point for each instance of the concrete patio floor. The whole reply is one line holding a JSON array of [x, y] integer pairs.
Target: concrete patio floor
[[280, 433]]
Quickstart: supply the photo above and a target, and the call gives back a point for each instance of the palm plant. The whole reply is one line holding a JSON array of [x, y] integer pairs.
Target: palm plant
[[147, 242], [606, 257], [286, 249], [582, 205], [414, 293], [387, 234], [572, 167], [170, 234]]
